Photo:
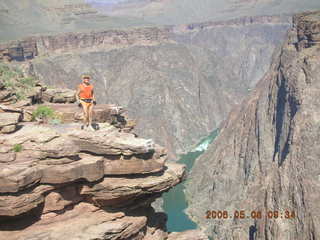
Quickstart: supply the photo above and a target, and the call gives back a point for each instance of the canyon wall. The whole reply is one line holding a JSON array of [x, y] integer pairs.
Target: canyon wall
[[178, 84], [31, 47], [266, 158]]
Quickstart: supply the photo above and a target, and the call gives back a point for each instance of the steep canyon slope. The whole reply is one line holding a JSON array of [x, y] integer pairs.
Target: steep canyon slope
[[267, 155]]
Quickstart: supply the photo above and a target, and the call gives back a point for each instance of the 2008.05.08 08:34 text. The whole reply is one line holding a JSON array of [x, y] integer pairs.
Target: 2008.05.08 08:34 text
[[242, 214]]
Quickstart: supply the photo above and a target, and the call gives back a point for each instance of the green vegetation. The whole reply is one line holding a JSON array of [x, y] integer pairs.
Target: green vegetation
[[14, 81], [43, 112], [46, 114], [17, 148]]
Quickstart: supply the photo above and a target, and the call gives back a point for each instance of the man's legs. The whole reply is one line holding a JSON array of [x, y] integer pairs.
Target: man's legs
[[90, 114], [85, 114]]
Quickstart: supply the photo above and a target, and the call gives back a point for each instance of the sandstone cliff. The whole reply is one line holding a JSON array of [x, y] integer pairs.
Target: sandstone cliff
[[31, 47], [267, 155], [60, 182]]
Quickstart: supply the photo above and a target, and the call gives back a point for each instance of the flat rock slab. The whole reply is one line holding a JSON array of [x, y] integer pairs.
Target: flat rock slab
[[33, 133], [90, 169], [133, 166], [15, 177], [9, 108], [39, 142], [111, 143], [7, 118]]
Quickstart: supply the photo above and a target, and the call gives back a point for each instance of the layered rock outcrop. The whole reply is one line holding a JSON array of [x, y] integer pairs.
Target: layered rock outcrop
[[99, 183], [58, 181], [266, 158], [21, 50]]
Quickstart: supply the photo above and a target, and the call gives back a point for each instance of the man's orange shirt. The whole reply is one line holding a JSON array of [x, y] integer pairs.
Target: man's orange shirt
[[86, 91]]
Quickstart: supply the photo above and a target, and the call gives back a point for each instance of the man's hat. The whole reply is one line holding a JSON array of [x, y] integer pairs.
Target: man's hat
[[85, 76]]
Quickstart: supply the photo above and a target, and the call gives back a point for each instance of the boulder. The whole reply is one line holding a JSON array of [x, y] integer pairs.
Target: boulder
[[7, 118], [56, 95], [16, 177], [27, 116], [56, 148], [89, 169], [8, 129], [35, 94], [8, 121]]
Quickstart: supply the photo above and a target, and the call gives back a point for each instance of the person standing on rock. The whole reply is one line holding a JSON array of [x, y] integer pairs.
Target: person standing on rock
[[85, 97]]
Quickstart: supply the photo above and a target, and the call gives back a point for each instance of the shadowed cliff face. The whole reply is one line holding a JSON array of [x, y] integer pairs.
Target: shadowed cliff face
[[266, 157], [178, 90]]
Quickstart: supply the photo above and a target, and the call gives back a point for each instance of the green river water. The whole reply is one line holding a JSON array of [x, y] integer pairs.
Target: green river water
[[175, 201]]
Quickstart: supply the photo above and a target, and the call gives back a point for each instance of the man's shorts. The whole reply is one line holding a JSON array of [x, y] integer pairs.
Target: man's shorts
[[86, 102]]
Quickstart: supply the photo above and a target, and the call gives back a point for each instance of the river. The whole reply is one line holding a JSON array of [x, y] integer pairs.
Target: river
[[174, 201]]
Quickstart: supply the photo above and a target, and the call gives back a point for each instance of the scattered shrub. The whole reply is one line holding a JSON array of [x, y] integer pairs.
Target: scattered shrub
[[17, 148], [47, 114], [43, 112]]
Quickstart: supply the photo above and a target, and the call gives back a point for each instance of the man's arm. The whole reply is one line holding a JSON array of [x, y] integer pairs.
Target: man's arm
[[93, 97], [77, 94]]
